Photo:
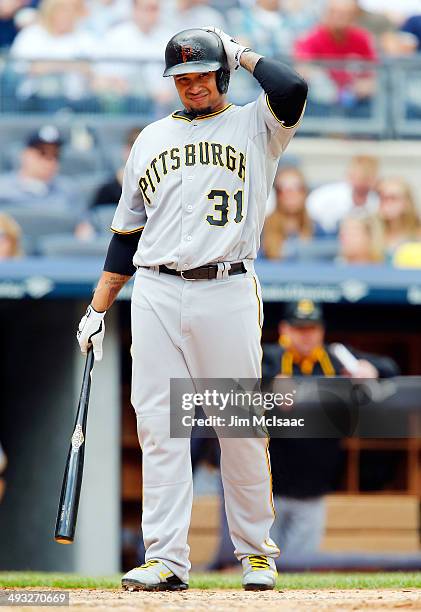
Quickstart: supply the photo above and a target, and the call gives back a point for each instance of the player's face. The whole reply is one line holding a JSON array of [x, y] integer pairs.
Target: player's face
[[303, 339], [198, 92]]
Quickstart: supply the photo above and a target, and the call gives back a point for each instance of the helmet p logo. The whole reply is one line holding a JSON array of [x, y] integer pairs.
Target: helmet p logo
[[186, 53]]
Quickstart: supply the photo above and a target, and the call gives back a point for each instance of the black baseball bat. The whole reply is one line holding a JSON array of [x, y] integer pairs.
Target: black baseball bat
[[72, 480]]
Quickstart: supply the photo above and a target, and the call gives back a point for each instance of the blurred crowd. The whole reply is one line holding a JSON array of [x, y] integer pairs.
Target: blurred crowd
[[70, 29], [363, 219], [59, 195], [71, 182], [90, 53]]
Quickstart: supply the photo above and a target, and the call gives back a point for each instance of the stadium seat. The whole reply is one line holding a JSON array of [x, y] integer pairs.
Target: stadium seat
[[320, 249], [87, 186], [63, 245], [75, 162], [102, 216], [37, 222]]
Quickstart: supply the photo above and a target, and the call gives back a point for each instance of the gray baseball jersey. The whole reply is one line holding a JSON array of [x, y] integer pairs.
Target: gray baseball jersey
[[199, 187]]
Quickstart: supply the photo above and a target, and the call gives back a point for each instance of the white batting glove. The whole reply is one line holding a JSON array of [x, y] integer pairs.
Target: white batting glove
[[231, 46], [91, 331]]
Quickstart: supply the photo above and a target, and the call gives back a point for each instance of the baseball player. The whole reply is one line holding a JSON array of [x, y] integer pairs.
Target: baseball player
[[188, 225]]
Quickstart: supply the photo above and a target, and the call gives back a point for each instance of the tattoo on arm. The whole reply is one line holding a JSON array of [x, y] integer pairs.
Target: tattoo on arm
[[107, 290], [249, 59]]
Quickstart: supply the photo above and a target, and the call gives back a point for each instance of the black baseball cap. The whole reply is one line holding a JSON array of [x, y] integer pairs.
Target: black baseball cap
[[303, 313], [47, 134]]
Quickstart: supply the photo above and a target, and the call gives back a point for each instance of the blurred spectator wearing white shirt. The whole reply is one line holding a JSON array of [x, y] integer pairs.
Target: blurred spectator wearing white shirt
[[49, 44], [186, 14], [329, 204], [56, 35], [142, 39], [389, 40], [396, 10], [262, 27], [104, 14]]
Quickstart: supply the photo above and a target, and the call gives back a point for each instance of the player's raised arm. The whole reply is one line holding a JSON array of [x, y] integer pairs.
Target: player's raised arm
[[128, 223], [286, 91]]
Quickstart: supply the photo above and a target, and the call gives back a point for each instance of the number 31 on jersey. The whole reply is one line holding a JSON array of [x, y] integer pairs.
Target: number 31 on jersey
[[221, 206]]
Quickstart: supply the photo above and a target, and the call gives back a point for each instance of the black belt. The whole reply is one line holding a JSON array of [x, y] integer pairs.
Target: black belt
[[208, 272]]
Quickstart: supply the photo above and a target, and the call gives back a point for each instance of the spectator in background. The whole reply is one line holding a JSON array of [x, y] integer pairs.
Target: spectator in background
[[141, 39], [301, 15], [398, 214], [412, 26], [408, 255], [360, 240], [37, 183], [8, 11], [10, 237], [330, 203], [49, 43], [262, 27], [188, 14], [396, 10], [338, 38], [56, 35], [109, 192], [389, 40], [305, 470], [290, 218], [104, 14]]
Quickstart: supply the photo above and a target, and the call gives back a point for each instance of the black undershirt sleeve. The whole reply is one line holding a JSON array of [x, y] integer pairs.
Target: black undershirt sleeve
[[286, 90], [120, 254]]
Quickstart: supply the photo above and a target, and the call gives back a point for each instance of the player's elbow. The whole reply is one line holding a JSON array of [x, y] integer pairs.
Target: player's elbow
[[297, 90]]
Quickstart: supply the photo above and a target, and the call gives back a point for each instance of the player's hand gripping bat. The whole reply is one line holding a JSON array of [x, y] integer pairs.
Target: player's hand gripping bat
[[72, 480]]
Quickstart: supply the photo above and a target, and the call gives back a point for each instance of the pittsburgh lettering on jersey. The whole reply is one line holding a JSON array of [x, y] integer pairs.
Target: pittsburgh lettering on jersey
[[203, 153]]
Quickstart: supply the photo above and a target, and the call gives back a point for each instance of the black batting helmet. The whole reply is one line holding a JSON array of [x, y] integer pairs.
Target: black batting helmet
[[197, 50]]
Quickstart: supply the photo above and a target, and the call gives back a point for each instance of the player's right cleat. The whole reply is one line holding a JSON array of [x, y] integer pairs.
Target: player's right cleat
[[152, 576], [259, 573]]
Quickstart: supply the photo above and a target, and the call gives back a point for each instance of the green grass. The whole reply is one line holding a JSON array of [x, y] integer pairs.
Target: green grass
[[212, 581]]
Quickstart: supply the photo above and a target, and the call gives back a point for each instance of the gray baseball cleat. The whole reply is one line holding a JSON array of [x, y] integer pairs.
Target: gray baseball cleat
[[259, 573], [152, 576]]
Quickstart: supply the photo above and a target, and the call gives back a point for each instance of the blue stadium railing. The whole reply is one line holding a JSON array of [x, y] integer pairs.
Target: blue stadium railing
[[393, 111]]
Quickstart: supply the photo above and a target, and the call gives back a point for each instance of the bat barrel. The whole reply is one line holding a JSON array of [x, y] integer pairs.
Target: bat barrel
[[72, 480]]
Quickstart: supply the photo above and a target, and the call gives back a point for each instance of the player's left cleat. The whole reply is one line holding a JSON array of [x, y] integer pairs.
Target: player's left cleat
[[259, 573], [152, 576]]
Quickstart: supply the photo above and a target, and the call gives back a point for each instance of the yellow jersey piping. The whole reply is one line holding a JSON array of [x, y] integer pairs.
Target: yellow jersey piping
[[200, 117], [286, 127], [139, 229]]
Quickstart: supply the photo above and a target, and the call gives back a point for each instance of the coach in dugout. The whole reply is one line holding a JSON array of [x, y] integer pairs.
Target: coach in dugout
[[305, 470]]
